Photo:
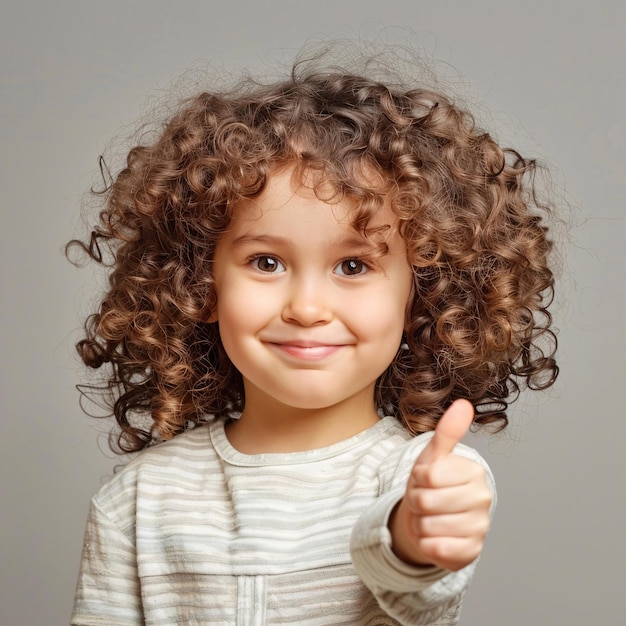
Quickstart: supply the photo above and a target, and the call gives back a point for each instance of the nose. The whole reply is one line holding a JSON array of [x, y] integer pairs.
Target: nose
[[308, 303]]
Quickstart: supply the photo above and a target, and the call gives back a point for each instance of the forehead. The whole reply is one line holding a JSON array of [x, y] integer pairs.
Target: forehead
[[307, 192], [298, 215]]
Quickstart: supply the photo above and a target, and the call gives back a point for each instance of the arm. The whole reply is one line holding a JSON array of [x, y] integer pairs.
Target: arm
[[108, 590], [409, 578]]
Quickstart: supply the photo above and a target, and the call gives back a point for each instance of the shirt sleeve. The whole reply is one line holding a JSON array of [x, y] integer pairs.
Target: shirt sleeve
[[409, 594], [108, 590]]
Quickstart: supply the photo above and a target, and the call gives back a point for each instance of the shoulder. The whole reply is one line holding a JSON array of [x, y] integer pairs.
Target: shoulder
[[190, 447], [152, 469]]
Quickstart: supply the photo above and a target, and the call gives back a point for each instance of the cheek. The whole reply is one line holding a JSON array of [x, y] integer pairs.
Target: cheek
[[240, 315], [233, 334], [388, 310], [247, 305], [234, 318], [382, 321]]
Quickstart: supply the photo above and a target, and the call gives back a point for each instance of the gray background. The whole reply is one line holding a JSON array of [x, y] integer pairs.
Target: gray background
[[552, 75]]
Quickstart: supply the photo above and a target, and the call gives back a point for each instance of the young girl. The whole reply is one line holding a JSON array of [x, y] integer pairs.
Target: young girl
[[316, 287]]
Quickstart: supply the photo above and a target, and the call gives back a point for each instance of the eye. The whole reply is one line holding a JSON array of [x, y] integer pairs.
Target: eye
[[351, 267], [267, 264]]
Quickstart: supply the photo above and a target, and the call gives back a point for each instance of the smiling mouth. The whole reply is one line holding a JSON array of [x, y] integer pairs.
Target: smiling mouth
[[307, 352]]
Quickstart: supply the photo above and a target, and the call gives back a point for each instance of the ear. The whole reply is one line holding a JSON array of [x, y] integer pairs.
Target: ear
[[213, 317]]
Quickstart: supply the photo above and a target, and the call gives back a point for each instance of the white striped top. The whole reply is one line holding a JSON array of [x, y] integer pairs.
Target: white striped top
[[194, 532]]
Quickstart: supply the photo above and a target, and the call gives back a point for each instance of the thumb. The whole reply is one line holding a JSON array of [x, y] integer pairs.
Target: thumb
[[451, 428]]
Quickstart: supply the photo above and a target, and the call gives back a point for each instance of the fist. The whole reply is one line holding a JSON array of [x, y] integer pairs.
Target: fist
[[443, 517]]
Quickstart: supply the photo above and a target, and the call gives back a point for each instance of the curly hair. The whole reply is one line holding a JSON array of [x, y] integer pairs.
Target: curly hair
[[479, 326]]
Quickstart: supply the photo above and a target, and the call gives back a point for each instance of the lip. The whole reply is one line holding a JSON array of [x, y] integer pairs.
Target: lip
[[306, 350]]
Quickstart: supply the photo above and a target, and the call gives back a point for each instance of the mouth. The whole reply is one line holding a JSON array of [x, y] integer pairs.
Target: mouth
[[307, 351]]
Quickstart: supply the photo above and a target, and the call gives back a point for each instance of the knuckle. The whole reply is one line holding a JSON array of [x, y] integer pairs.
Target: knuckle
[[417, 476], [442, 552], [483, 527], [423, 526], [478, 472], [474, 552], [485, 498], [423, 475], [424, 500]]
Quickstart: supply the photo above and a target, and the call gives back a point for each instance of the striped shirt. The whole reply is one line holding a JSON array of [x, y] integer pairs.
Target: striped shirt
[[194, 532]]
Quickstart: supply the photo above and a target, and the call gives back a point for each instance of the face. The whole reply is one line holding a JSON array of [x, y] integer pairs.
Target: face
[[308, 310]]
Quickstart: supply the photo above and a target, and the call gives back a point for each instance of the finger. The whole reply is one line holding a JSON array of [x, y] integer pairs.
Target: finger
[[451, 553], [448, 500], [467, 524], [446, 472], [451, 428]]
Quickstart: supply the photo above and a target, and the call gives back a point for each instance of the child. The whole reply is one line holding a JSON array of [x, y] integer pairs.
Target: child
[[316, 287]]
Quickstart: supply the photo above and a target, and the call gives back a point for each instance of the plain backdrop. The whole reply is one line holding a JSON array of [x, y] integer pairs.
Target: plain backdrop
[[552, 76]]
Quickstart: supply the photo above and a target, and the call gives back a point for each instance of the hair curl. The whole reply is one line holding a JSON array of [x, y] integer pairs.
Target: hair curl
[[479, 325]]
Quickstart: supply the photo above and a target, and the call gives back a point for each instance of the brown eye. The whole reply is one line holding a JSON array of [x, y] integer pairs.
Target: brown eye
[[351, 267], [267, 264]]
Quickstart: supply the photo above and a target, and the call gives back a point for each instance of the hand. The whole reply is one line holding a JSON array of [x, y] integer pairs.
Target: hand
[[443, 517]]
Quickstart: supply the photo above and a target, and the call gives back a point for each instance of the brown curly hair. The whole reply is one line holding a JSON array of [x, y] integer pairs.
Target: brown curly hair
[[479, 325]]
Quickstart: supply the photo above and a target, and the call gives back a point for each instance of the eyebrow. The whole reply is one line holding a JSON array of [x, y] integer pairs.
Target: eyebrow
[[271, 240]]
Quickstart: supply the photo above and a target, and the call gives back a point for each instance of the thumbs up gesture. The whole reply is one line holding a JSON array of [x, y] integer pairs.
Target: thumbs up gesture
[[443, 517]]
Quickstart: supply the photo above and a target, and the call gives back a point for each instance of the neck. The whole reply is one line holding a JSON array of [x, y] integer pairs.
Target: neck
[[270, 427]]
